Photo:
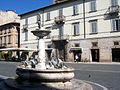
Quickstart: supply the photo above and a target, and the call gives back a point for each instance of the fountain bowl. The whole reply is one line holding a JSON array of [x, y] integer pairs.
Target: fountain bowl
[[40, 33], [45, 75]]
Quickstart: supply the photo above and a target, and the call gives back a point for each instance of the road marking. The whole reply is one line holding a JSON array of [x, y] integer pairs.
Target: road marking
[[3, 77], [99, 70], [104, 88]]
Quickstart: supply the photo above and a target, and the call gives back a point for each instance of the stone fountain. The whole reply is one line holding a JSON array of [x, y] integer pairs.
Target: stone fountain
[[51, 76], [42, 73]]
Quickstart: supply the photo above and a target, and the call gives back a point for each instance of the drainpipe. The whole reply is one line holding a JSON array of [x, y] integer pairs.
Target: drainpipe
[[84, 18]]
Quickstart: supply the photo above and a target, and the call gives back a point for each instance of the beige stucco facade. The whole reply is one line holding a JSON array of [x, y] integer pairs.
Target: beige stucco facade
[[9, 21], [93, 46]]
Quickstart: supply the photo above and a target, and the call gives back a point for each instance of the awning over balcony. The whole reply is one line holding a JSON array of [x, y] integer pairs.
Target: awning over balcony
[[18, 49]]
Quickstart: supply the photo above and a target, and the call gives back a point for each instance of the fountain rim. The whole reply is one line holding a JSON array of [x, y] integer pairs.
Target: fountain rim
[[38, 30], [45, 70], [41, 34]]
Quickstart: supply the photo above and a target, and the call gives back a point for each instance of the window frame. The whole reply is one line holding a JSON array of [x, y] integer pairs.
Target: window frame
[[48, 16], [60, 13], [114, 2], [26, 35], [76, 29], [93, 6], [116, 25], [93, 26], [9, 39], [49, 35], [75, 10]]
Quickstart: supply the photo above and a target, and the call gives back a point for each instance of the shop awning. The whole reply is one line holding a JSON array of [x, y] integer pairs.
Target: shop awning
[[48, 49], [18, 49], [75, 49]]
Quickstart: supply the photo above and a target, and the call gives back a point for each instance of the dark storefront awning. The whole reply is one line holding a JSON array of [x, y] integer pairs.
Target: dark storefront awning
[[48, 49], [75, 49]]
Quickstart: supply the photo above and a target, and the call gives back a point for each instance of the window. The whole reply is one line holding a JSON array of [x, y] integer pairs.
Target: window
[[0, 31], [116, 43], [5, 31], [75, 10], [49, 35], [38, 17], [0, 41], [114, 2], [77, 45], [9, 39], [116, 24], [25, 26], [26, 21], [61, 32], [60, 13], [26, 35], [93, 26], [93, 5], [76, 28], [4, 40], [16, 39], [94, 44], [9, 30], [48, 16]]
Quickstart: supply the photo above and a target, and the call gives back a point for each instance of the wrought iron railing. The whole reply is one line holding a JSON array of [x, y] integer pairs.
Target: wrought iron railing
[[112, 11], [60, 19]]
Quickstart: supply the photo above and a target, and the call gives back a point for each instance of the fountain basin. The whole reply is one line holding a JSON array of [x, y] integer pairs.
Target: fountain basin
[[46, 75], [40, 33]]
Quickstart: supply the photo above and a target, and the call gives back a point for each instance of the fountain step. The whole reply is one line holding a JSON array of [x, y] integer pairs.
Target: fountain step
[[12, 84]]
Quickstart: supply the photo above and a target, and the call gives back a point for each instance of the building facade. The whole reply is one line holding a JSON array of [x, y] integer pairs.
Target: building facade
[[9, 22], [9, 28], [81, 30]]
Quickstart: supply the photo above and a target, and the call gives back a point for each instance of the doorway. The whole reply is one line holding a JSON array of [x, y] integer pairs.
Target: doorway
[[95, 55], [61, 49], [116, 54]]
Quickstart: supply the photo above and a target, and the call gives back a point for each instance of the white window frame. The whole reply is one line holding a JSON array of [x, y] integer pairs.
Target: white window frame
[[9, 39], [49, 35], [5, 40], [93, 6], [1, 40], [76, 28], [60, 12], [93, 26], [26, 35], [75, 10], [116, 24], [114, 2], [48, 16]]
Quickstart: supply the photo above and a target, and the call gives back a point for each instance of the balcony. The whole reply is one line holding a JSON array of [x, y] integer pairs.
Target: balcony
[[59, 37], [60, 20], [112, 12], [25, 27]]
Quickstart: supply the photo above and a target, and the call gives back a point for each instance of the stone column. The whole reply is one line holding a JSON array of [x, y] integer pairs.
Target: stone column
[[41, 54]]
